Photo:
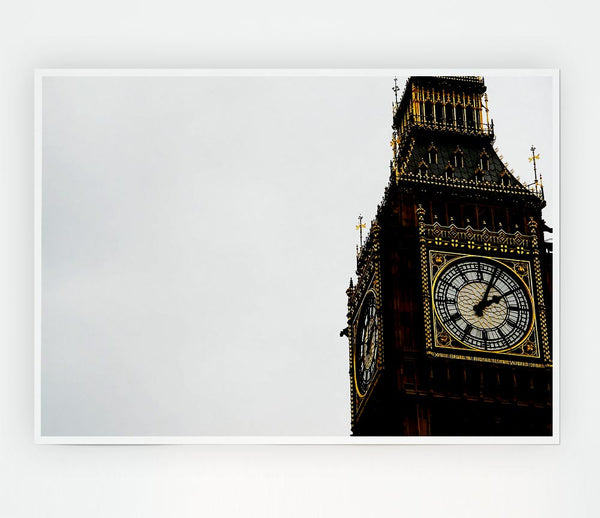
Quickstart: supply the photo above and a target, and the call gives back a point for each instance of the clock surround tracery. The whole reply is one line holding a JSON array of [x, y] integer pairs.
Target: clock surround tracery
[[516, 252]]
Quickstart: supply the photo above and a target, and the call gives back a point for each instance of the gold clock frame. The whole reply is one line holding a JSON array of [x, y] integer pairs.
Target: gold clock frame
[[369, 280], [501, 246], [356, 323], [439, 261], [360, 399]]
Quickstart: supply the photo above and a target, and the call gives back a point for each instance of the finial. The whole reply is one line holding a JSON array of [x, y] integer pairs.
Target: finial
[[533, 158], [359, 227], [487, 112], [395, 89]]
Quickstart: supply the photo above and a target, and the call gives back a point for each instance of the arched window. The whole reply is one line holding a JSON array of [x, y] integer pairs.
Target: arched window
[[484, 161], [469, 215], [479, 175], [458, 158], [470, 114], [460, 116], [429, 112], [439, 112], [423, 168], [485, 216], [432, 154], [449, 114]]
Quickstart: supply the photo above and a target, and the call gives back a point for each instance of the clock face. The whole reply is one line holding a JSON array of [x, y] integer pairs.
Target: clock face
[[483, 304], [366, 344]]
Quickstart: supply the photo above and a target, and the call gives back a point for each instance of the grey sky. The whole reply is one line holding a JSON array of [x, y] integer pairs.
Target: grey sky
[[198, 238]]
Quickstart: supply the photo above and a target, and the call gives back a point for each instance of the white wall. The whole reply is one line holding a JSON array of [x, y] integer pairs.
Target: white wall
[[291, 480]]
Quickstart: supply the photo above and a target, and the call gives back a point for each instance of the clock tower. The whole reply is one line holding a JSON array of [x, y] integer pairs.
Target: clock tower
[[449, 320]]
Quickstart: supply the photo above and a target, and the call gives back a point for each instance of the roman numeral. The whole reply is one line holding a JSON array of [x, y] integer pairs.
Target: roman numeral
[[502, 335], [442, 300], [446, 283], [517, 324], [462, 274], [467, 331], [453, 317]]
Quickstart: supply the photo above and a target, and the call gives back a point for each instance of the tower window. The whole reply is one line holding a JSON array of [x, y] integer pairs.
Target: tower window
[[438, 211], [469, 215], [485, 216], [429, 111], [453, 213], [460, 116], [449, 114], [449, 171], [439, 112], [432, 155], [458, 158], [470, 118], [484, 161]]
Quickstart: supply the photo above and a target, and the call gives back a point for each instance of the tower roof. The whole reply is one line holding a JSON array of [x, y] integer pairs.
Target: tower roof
[[443, 135]]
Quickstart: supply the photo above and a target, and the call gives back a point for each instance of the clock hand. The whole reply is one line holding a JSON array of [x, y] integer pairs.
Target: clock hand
[[478, 308], [484, 304], [370, 339], [370, 336], [494, 300], [368, 332], [490, 284], [366, 339]]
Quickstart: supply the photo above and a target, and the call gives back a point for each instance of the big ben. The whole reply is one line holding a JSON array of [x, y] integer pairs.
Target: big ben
[[449, 321]]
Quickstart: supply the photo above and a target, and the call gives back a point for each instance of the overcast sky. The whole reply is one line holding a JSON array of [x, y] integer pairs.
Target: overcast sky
[[198, 236]]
